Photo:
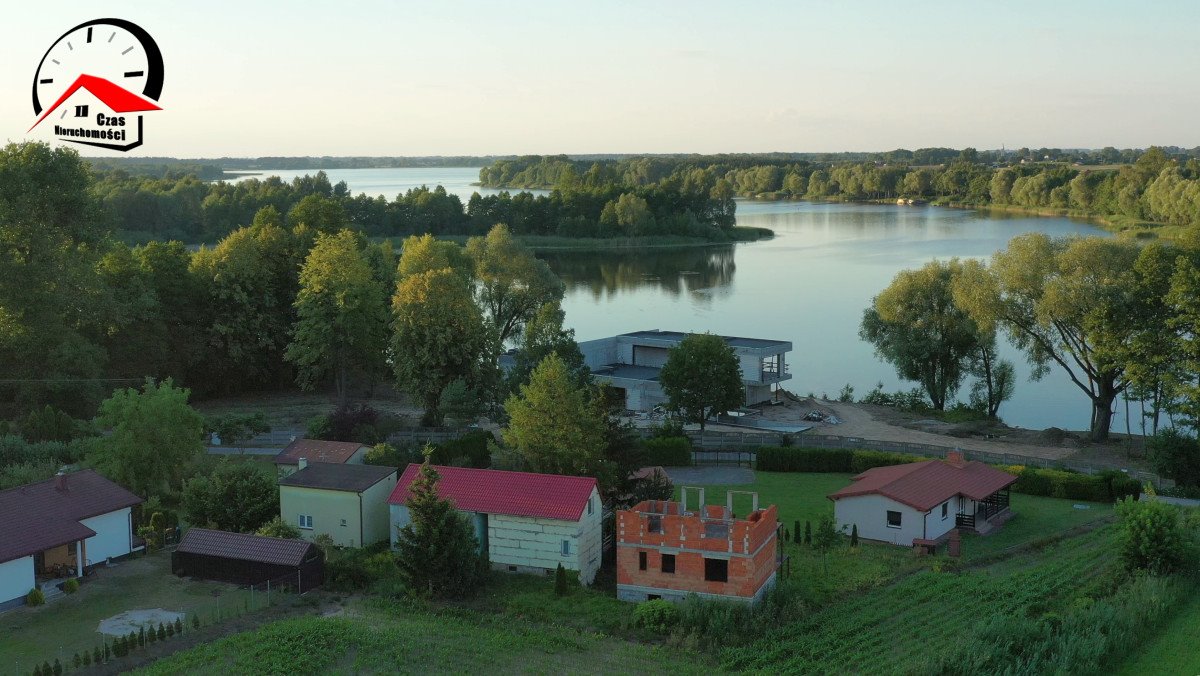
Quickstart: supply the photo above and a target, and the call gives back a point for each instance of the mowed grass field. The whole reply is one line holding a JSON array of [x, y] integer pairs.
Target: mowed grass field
[[30, 635], [378, 637]]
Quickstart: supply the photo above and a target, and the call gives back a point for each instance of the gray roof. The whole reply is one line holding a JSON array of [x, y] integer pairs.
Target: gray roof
[[735, 341], [337, 477]]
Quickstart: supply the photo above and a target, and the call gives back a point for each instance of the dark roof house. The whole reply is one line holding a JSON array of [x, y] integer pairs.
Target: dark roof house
[[335, 477], [47, 514], [247, 559]]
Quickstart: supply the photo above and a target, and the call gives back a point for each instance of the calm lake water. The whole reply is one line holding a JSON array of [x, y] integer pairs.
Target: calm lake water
[[808, 285]]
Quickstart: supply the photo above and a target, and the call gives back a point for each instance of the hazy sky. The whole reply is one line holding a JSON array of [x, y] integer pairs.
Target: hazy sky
[[253, 78]]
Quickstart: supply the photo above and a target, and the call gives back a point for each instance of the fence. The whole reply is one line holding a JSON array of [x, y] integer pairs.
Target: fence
[[277, 439], [739, 448]]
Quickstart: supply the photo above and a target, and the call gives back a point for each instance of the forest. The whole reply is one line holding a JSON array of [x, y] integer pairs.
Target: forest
[[1155, 186]]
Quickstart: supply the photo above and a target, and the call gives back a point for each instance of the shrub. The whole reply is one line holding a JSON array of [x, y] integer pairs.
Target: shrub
[[1150, 536], [469, 450], [97, 656], [57, 667], [71, 585], [560, 581], [387, 455], [35, 597], [76, 660], [854, 536], [808, 532], [319, 427], [1176, 456], [151, 636], [87, 660], [797, 534], [162, 632], [861, 461], [170, 629], [350, 570], [178, 626], [142, 636], [667, 451], [196, 621], [656, 615]]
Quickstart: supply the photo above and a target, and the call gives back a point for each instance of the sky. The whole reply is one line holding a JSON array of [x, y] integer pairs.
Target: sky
[[261, 78]]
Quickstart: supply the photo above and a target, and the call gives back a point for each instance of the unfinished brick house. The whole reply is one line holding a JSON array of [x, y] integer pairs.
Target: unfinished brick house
[[668, 550]]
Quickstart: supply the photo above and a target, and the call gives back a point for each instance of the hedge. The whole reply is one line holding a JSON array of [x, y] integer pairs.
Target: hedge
[[1056, 483], [801, 459], [667, 451]]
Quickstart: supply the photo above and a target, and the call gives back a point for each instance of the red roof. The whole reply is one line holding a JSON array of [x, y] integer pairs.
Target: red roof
[[244, 547], [39, 516], [117, 98], [493, 491], [924, 485], [315, 450]]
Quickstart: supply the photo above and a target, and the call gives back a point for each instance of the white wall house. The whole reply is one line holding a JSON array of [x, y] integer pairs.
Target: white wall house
[[526, 522], [631, 363], [923, 500], [59, 528]]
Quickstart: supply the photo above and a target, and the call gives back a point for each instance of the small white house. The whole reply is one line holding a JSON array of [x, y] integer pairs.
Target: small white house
[[525, 522], [923, 500], [59, 528]]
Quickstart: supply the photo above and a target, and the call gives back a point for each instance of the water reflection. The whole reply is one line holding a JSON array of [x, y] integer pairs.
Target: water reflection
[[702, 273]]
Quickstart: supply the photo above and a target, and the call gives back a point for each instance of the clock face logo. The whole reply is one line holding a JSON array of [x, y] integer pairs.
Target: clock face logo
[[95, 81]]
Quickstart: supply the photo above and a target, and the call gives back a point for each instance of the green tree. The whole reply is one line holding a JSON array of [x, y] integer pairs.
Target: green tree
[[512, 283], [995, 377], [424, 253], [1184, 321], [234, 428], [439, 337], [702, 378], [459, 403], [629, 215], [1150, 536], [824, 538], [436, 552], [1175, 455], [1064, 302], [560, 581], [278, 528], [155, 433], [51, 233], [543, 336], [237, 496], [916, 325], [341, 316], [553, 426]]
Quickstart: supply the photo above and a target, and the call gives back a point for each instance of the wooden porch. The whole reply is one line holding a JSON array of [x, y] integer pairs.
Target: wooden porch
[[988, 514]]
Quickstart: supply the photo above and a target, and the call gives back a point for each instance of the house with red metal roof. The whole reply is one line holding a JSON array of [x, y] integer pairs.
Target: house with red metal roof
[[316, 450], [924, 500], [525, 522], [60, 527]]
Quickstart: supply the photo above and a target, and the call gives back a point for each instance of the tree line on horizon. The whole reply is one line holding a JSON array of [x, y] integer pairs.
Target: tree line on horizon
[[1157, 186]]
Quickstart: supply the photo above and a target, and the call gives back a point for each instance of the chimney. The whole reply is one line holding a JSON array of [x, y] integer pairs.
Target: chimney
[[302, 463], [955, 458], [60, 481]]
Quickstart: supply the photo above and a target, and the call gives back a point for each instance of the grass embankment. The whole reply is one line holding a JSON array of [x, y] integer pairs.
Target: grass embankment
[[1174, 650], [382, 637]]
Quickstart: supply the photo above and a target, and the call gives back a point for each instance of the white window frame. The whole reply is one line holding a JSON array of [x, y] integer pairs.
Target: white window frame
[[945, 510], [566, 547], [589, 505], [899, 518], [306, 521]]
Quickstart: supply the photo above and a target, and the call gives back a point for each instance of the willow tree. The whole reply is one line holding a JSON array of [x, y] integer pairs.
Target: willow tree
[[916, 326], [1064, 302], [511, 283]]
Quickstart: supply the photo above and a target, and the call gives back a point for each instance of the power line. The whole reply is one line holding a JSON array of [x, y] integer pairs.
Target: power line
[[71, 380]]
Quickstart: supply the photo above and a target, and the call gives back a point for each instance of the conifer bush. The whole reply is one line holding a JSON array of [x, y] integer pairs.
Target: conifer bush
[[560, 581]]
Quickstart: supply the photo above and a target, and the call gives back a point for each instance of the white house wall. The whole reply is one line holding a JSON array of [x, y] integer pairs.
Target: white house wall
[[869, 512], [597, 353], [112, 538], [16, 579], [935, 525]]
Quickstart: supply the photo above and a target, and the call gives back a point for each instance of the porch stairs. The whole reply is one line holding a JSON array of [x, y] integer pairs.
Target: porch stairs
[[985, 526]]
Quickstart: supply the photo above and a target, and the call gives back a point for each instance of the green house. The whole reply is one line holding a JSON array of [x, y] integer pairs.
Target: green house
[[346, 502]]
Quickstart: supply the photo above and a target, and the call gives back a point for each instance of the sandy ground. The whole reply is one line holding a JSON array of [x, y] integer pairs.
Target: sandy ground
[[133, 620], [867, 422]]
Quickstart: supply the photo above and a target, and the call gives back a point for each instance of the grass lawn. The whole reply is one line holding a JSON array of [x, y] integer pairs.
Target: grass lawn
[[1174, 650], [68, 625], [387, 637], [801, 497]]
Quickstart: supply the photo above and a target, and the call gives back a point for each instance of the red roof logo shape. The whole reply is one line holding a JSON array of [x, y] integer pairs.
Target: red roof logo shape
[[117, 98]]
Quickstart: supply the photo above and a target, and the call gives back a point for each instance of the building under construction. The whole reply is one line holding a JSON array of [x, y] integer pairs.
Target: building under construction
[[671, 549]]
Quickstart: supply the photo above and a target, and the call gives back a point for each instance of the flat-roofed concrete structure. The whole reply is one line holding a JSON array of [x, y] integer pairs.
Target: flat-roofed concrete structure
[[631, 363]]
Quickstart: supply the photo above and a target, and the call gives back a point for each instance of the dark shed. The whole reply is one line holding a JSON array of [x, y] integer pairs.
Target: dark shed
[[248, 559]]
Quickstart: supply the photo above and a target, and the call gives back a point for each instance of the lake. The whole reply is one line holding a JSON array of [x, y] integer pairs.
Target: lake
[[809, 285]]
